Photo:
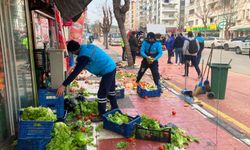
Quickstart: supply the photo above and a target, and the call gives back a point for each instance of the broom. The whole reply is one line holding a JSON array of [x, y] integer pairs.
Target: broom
[[206, 82]]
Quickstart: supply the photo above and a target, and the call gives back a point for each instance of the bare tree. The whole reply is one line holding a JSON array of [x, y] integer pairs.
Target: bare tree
[[230, 9], [97, 30], [106, 24], [203, 11], [120, 15]]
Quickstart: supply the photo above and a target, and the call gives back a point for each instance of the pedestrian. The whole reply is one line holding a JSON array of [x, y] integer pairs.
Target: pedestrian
[[151, 51], [97, 62], [123, 50], [201, 43], [178, 45], [133, 43], [170, 47], [190, 50]]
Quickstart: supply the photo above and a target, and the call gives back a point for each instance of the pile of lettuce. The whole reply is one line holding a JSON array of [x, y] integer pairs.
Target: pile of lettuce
[[118, 118], [63, 138], [38, 113]]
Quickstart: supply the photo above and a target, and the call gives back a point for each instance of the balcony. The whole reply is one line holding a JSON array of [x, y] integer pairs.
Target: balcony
[[170, 10], [168, 18]]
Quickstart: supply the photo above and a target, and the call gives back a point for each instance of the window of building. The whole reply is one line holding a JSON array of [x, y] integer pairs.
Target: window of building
[[191, 12], [211, 20], [243, 14], [191, 23], [196, 21]]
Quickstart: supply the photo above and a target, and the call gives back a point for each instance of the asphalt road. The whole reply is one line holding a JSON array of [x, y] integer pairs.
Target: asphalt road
[[239, 64]]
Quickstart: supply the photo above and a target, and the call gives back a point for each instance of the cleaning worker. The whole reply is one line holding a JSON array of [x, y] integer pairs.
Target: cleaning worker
[[97, 62], [151, 51]]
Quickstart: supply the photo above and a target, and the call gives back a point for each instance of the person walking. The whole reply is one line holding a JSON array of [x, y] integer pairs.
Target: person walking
[[97, 62], [190, 50], [170, 47], [133, 43], [123, 50], [201, 43], [178, 45], [151, 51]]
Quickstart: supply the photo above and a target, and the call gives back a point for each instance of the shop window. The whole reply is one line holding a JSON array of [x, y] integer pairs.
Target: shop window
[[21, 49]]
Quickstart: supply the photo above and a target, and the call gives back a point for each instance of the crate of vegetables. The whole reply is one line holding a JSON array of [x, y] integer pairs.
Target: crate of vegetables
[[48, 98], [32, 144], [119, 90], [35, 122], [150, 129], [120, 123], [148, 90]]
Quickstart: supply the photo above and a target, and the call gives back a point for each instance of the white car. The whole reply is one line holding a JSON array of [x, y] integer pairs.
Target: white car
[[233, 43], [214, 42], [244, 46], [115, 39]]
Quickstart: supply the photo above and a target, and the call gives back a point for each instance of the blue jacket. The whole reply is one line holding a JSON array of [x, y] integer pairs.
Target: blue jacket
[[93, 59], [200, 39], [155, 51], [170, 43]]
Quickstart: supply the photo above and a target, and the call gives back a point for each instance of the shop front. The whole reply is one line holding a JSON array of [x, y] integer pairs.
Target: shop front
[[211, 30], [16, 67]]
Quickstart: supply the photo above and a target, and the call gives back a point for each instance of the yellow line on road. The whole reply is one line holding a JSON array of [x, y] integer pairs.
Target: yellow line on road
[[214, 110]]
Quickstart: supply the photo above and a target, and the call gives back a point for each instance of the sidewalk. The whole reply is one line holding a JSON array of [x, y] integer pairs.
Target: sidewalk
[[160, 108], [234, 109]]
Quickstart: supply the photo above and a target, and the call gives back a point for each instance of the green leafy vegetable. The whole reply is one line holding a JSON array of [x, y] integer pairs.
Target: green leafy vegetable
[[38, 113], [118, 118], [121, 145]]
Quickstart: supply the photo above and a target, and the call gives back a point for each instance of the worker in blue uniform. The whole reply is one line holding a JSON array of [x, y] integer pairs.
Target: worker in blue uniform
[[97, 62], [151, 51]]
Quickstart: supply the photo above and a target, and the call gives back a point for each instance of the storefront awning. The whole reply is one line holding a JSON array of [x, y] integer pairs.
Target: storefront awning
[[71, 9], [243, 27]]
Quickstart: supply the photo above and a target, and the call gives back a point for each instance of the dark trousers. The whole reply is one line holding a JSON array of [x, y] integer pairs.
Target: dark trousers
[[178, 55], [107, 90], [170, 53], [187, 59], [154, 69], [198, 57], [123, 54], [133, 55]]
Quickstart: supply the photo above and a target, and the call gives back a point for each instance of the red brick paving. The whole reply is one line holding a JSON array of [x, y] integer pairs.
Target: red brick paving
[[237, 99], [190, 120]]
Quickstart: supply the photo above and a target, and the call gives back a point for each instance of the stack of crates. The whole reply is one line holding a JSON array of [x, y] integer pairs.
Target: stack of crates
[[48, 98], [33, 135]]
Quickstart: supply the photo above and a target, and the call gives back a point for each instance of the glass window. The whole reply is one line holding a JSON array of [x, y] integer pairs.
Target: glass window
[[21, 48]]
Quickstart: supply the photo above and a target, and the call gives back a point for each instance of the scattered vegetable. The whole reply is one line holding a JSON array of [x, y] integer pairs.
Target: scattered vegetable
[[121, 145]]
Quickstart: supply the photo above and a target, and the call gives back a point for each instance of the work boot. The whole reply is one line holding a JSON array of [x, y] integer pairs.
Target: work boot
[[97, 119]]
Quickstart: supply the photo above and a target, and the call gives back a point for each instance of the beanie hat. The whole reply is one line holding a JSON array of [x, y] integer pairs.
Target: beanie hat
[[151, 35], [73, 46]]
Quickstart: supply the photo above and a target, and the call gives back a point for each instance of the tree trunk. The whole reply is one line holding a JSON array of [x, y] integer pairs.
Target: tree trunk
[[106, 41], [120, 15]]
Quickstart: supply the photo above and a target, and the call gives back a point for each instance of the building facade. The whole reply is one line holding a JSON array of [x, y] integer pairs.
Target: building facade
[[224, 18], [143, 12]]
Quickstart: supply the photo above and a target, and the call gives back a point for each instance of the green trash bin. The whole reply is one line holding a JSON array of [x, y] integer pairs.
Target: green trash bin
[[219, 79]]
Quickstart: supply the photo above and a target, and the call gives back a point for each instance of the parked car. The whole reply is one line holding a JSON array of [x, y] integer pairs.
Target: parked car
[[233, 43], [244, 46], [115, 39], [214, 42]]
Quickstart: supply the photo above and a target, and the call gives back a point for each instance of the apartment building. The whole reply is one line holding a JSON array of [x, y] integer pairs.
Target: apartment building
[[143, 12], [131, 22], [232, 15]]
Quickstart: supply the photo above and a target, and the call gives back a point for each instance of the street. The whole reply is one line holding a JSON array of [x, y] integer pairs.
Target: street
[[238, 64]]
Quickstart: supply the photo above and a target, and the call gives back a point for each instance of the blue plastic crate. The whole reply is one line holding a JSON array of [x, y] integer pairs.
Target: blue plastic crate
[[120, 93], [34, 129], [58, 109], [32, 144], [48, 98], [125, 129], [143, 93]]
